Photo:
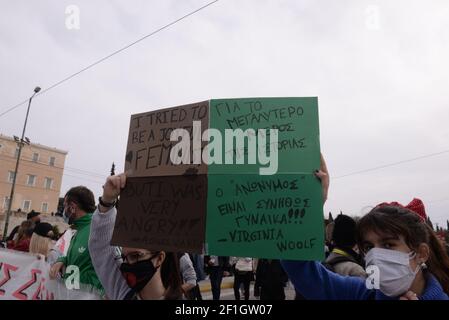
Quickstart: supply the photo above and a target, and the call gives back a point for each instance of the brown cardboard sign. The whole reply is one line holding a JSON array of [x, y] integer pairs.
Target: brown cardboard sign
[[162, 213], [149, 145]]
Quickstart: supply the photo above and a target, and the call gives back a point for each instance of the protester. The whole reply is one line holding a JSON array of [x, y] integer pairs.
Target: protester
[[271, 280], [79, 203], [328, 231], [198, 266], [188, 275], [217, 267], [32, 216], [411, 263], [22, 241], [243, 274], [343, 258], [256, 288], [43, 238], [139, 274]]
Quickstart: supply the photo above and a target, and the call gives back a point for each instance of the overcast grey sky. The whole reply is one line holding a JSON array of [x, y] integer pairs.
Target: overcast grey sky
[[379, 68]]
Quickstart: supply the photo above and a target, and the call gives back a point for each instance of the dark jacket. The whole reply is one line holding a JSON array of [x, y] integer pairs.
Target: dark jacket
[[315, 282], [13, 233], [270, 275], [223, 263]]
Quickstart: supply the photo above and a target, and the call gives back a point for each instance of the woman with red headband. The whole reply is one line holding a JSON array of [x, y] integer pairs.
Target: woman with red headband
[[402, 253]]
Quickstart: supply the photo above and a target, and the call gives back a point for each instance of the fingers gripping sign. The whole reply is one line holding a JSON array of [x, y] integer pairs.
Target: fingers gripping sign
[[56, 269], [323, 176]]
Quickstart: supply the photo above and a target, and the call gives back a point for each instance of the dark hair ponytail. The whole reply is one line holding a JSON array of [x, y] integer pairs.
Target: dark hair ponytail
[[438, 262], [171, 276], [396, 220]]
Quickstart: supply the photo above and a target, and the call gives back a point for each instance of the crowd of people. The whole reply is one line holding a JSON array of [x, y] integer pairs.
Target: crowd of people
[[33, 236], [411, 259]]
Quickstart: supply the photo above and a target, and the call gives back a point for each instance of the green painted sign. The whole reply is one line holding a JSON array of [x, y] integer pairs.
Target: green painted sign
[[278, 216], [267, 216]]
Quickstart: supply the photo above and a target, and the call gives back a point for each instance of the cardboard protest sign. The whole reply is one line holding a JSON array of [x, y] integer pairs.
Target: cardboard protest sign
[[247, 186], [162, 213], [149, 145], [278, 216]]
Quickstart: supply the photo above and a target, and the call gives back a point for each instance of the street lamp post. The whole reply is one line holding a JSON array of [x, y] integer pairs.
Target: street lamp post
[[21, 143]]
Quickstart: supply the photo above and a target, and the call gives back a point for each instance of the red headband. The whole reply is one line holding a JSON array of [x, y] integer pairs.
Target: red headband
[[416, 205]]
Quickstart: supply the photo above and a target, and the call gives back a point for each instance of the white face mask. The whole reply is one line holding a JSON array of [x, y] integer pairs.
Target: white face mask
[[395, 274], [67, 216]]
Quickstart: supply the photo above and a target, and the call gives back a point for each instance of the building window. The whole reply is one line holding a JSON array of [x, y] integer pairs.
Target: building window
[[52, 161], [35, 157], [16, 153], [31, 180], [44, 207], [48, 184], [11, 176], [26, 205], [6, 203]]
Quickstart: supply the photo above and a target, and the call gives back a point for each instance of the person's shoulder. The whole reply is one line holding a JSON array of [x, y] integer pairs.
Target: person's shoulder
[[331, 257], [184, 259], [433, 289]]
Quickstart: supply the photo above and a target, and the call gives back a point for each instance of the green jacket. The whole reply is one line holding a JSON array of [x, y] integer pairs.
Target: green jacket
[[78, 254]]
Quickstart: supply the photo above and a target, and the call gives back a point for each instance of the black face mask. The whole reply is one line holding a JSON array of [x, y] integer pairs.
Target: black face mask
[[138, 274]]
